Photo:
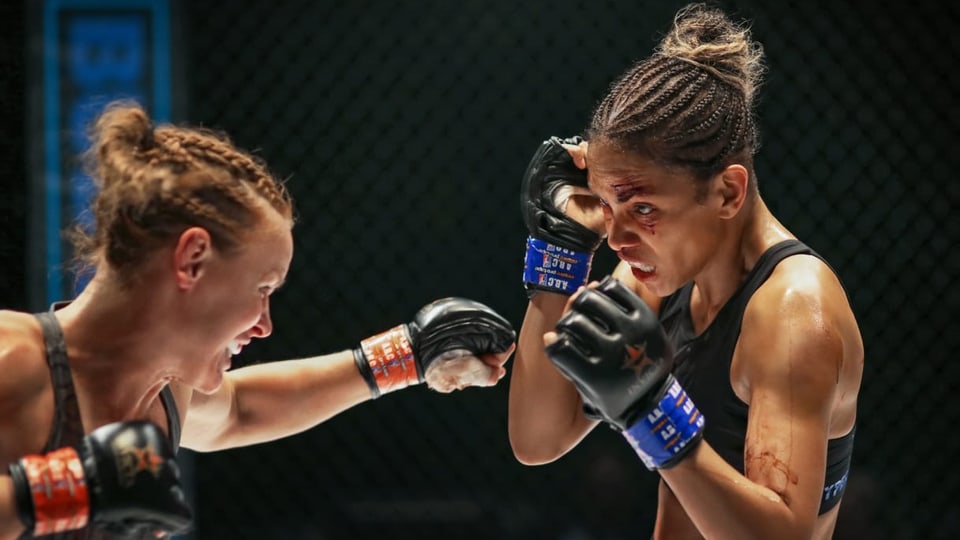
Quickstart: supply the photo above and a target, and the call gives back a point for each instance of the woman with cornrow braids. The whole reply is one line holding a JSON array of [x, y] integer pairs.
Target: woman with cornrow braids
[[192, 237], [723, 349]]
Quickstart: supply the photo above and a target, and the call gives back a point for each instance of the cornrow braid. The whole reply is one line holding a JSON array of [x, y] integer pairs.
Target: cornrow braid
[[664, 107], [155, 182], [690, 103], [217, 151], [629, 106]]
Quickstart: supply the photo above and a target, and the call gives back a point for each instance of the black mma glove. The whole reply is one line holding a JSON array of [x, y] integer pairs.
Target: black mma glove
[[612, 347], [440, 344], [122, 477], [559, 249]]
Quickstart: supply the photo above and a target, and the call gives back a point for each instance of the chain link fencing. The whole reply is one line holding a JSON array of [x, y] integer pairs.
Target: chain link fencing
[[403, 129]]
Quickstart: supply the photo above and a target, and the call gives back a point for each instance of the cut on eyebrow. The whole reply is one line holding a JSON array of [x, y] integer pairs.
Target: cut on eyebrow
[[625, 192]]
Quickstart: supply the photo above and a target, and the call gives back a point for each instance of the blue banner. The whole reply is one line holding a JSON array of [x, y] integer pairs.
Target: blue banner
[[94, 52]]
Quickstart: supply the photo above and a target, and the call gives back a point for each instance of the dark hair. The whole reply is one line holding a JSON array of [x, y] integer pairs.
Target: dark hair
[[690, 104], [155, 182]]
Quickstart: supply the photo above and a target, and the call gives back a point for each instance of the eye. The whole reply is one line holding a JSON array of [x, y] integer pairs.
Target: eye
[[643, 209]]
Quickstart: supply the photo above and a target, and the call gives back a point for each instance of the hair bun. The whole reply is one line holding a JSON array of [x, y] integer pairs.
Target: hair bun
[[707, 38]]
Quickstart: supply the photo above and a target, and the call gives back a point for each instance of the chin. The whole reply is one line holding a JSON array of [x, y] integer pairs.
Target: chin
[[210, 386], [212, 380], [660, 287]]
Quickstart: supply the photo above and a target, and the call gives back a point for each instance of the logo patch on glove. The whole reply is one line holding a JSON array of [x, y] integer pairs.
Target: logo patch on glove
[[131, 460], [635, 357]]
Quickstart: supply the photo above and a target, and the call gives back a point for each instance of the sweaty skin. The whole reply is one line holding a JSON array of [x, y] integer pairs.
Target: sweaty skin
[[797, 363]]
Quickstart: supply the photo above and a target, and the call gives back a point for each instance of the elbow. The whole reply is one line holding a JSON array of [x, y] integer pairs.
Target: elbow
[[529, 448], [530, 456]]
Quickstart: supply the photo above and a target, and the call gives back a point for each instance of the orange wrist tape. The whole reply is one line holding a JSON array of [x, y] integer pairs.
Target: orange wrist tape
[[391, 359], [59, 491]]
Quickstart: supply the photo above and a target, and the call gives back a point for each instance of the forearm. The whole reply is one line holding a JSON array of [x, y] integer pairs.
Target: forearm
[[10, 526], [724, 504], [274, 400], [545, 417]]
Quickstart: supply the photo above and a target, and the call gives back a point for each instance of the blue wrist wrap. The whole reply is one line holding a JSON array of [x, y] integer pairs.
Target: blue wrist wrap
[[669, 428], [554, 268]]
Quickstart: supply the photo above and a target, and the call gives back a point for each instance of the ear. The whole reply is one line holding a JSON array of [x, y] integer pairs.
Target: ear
[[191, 255], [732, 186]]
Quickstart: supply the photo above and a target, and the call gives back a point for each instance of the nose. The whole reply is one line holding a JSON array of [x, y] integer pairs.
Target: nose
[[619, 232], [264, 326]]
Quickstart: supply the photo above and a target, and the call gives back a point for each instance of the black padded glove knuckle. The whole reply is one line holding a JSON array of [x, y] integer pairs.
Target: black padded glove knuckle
[[624, 357], [133, 476], [454, 323], [582, 329], [550, 169]]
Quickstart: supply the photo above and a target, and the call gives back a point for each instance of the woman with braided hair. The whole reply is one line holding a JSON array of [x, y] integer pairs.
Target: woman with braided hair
[[721, 347], [192, 236]]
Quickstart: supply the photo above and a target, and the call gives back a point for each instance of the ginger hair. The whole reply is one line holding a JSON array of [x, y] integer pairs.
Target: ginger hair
[[154, 182]]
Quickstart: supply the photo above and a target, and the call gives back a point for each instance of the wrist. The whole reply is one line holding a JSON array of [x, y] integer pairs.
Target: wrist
[[664, 434], [554, 268], [51, 492], [387, 362]]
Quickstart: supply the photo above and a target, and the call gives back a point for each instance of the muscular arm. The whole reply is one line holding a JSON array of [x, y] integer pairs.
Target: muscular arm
[[545, 418], [453, 342], [789, 356], [269, 401]]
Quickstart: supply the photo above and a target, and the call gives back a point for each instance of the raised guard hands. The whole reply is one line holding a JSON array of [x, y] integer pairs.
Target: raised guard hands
[[122, 478], [611, 346], [451, 343], [559, 248]]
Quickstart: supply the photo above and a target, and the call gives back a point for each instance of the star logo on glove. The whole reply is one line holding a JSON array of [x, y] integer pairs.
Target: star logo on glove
[[635, 356], [132, 460], [147, 460]]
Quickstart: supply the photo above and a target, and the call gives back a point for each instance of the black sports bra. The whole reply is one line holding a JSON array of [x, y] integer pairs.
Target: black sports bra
[[703, 368], [68, 429]]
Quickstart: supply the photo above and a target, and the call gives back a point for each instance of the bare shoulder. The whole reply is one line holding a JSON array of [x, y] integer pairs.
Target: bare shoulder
[[799, 328], [803, 290], [26, 403], [22, 356]]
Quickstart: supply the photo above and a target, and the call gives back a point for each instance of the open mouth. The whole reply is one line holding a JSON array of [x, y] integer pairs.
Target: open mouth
[[643, 267]]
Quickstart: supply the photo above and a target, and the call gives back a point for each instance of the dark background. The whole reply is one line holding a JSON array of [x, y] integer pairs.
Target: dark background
[[403, 128]]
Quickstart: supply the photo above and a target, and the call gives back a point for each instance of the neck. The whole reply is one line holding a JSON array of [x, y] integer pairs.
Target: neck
[[117, 353], [750, 234]]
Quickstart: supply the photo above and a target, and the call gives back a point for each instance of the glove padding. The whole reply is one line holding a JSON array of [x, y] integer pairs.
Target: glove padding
[[123, 477], [440, 346], [550, 172], [611, 346]]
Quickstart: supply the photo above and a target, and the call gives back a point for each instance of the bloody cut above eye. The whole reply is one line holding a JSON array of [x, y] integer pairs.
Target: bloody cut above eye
[[625, 192]]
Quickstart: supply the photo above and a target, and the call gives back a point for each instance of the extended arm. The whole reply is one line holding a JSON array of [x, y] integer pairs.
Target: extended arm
[[268, 401]]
